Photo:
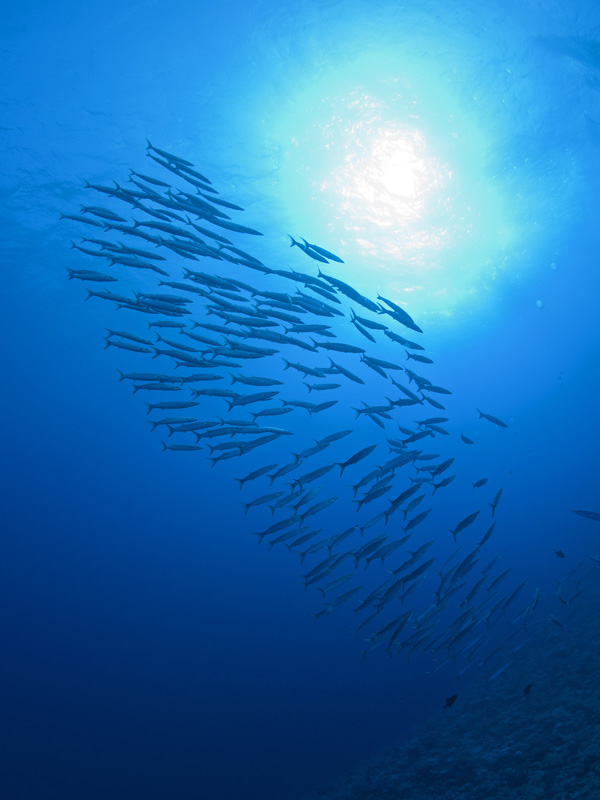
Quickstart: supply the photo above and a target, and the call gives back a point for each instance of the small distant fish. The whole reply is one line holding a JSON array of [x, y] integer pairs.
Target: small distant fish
[[493, 419], [559, 554], [450, 701], [527, 689], [466, 439], [480, 482], [496, 500], [589, 514]]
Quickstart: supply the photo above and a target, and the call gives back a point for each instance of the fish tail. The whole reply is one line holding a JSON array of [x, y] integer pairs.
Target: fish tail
[[149, 409], [164, 447], [108, 342], [171, 430], [90, 294], [121, 374], [294, 242], [135, 388]]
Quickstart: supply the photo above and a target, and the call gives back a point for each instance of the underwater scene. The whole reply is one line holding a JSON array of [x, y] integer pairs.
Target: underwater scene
[[301, 353]]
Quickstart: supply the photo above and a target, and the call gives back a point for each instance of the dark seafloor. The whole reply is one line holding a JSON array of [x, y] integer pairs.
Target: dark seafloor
[[497, 742]]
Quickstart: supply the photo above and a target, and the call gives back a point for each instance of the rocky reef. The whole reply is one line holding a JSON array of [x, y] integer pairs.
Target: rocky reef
[[532, 733]]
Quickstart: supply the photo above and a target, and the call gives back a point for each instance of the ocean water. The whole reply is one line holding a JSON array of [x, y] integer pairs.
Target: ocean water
[[448, 153]]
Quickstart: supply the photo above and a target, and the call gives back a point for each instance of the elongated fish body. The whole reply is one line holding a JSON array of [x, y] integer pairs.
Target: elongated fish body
[[320, 506], [149, 179], [595, 515], [322, 407], [311, 253], [351, 293], [278, 526], [79, 218], [321, 387], [495, 501], [399, 314], [364, 331], [333, 437], [493, 419], [340, 347], [271, 412], [261, 500], [418, 357], [90, 275], [401, 340], [171, 404], [368, 323], [170, 421], [464, 523], [346, 372], [181, 447], [249, 380], [255, 474], [323, 252], [166, 323], [443, 483], [148, 377], [103, 213], [434, 403], [136, 348], [412, 523], [356, 457], [157, 387]]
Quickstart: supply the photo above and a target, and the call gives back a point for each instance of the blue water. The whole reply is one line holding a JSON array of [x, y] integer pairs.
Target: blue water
[[151, 648]]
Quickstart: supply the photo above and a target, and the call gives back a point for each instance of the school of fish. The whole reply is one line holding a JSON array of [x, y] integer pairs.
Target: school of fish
[[227, 332]]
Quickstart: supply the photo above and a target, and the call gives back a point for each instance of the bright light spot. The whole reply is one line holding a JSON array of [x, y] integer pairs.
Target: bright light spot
[[398, 170], [388, 171], [389, 184], [389, 180]]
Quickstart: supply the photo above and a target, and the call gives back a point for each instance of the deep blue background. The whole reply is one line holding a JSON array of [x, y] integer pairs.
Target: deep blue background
[[150, 647]]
